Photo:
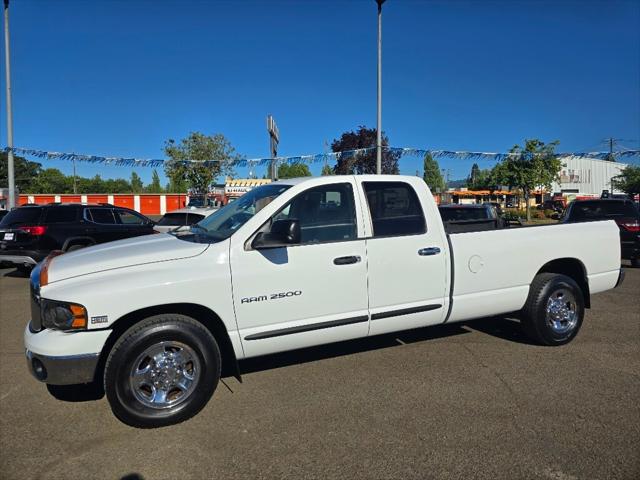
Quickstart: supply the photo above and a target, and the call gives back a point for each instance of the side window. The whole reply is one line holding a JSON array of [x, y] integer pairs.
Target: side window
[[101, 215], [130, 218], [326, 213], [60, 215], [395, 209]]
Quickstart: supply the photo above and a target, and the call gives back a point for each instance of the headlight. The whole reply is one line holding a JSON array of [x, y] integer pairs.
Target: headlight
[[62, 315]]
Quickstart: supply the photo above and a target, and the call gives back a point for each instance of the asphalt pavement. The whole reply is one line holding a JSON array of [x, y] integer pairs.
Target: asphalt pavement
[[472, 400]]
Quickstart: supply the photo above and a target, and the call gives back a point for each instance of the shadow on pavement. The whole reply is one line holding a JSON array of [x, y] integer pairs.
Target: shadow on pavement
[[15, 273], [313, 354], [77, 393], [501, 327]]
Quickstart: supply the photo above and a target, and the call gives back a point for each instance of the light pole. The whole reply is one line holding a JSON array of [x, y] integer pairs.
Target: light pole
[[379, 127], [7, 64]]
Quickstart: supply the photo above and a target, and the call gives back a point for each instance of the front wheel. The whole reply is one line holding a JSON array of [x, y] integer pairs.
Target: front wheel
[[162, 371], [554, 309]]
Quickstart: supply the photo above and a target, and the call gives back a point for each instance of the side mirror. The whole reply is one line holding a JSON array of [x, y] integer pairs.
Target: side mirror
[[282, 233]]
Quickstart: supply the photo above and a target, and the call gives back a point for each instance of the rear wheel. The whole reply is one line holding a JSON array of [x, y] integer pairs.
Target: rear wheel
[[162, 371], [554, 310]]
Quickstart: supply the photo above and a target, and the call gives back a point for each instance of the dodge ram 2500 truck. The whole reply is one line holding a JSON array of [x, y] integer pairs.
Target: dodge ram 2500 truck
[[291, 264]]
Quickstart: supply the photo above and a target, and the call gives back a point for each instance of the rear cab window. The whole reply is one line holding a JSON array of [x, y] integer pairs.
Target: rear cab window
[[395, 209]]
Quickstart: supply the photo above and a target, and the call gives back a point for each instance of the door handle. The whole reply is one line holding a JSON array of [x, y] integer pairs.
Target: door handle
[[346, 260], [425, 252]]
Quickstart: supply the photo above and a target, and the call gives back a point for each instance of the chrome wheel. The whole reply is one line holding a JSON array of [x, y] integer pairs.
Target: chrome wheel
[[562, 311], [165, 374]]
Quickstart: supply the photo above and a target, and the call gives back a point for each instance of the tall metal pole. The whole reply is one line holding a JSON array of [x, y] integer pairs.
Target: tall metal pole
[[7, 64], [379, 127]]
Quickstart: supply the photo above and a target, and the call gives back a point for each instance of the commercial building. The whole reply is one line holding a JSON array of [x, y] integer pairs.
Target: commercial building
[[583, 176]]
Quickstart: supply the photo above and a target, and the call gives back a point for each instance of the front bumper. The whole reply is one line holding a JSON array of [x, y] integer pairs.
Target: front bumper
[[67, 370], [64, 358]]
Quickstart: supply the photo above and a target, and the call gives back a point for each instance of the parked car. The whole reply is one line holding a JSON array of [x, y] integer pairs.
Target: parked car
[[292, 264], [182, 217], [623, 211], [458, 218], [3, 213], [29, 233]]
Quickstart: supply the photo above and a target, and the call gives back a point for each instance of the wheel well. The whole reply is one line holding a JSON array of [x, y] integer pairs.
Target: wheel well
[[574, 268], [202, 314], [86, 241]]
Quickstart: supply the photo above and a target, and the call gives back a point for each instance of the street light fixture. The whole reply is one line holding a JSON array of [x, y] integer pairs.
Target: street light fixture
[[379, 126]]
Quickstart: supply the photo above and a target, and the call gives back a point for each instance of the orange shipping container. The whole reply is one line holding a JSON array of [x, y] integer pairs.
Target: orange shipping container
[[125, 201], [150, 204], [97, 198]]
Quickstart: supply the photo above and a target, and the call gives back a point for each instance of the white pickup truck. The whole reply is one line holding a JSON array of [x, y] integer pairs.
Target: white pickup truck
[[157, 319]]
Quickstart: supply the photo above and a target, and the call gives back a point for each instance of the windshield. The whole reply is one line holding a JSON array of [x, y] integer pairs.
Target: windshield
[[223, 223]]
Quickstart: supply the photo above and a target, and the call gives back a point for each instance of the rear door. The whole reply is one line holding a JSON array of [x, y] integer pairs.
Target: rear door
[[408, 269]]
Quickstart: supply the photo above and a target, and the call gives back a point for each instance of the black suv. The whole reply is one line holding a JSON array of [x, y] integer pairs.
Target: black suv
[[625, 214], [29, 233]]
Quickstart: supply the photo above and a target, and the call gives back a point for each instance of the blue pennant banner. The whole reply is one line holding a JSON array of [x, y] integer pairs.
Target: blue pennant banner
[[310, 159]]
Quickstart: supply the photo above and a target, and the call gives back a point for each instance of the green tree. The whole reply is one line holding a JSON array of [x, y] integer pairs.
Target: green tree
[[185, 165], [116, 185], [136, 183], [51, 180], [155, 186], [293, 170], [25, 172], [327, 170], [432, 175], [364, 163], [528, 168], [473, 176], [628, 180]]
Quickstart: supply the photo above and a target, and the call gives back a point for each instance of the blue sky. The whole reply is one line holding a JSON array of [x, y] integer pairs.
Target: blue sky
[[118, 78]]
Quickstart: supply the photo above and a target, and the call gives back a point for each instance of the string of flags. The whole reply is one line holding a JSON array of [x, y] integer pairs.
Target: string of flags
[[310, 159]]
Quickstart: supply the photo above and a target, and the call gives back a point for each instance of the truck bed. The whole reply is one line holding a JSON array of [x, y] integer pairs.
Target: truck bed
[[492, 270]]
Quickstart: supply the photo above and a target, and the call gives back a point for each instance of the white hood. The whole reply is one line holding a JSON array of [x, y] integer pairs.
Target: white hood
[[122, 253]]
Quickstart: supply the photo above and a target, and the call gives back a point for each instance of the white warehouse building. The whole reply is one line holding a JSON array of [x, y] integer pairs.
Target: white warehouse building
[[586, 176]]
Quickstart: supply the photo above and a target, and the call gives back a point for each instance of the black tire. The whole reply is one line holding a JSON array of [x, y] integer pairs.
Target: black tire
[[77, 246], [543, 327], [131, 404]]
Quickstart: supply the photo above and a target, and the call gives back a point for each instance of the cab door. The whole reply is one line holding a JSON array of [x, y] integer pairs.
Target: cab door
[[306, 294], [408, 268]]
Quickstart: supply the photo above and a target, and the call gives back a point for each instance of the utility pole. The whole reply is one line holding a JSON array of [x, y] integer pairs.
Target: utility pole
[[274, 139], [379, 126], [7, 64], [75, 189]]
